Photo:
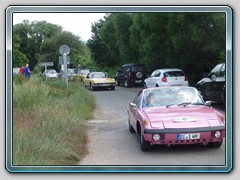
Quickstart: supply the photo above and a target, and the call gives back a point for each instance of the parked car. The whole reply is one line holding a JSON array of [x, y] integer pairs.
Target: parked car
[[178, 116], [131, 74], [81, 74], [99, 80], [212, 86], [70, 73], [166, 77], [49, 74]]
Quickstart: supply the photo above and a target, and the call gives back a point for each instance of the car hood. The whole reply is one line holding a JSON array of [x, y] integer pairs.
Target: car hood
[[182, 117], [103, 80]]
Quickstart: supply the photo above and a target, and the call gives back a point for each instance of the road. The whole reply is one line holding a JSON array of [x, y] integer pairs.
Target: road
[[111, 143]]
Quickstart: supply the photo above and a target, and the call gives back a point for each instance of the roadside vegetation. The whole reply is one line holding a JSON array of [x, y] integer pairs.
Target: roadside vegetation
[[49, 121]]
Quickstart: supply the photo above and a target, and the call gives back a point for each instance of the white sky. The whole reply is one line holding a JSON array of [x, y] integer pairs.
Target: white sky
[[77, 23]]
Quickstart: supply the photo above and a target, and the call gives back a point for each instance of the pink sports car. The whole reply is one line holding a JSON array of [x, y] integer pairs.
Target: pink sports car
[[174, 115]]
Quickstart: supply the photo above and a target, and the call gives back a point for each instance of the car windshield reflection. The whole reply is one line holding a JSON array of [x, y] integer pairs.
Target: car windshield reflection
[[171, 97]]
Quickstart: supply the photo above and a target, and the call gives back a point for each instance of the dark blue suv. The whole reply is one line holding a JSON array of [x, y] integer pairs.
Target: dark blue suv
[[131, 74]]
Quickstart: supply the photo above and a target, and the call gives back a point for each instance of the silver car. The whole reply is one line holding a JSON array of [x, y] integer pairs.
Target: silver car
[[49, 74], [166, 77]]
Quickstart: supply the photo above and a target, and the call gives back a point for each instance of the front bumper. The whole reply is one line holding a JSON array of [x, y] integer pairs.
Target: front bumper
[[103, 84], [170, 136]]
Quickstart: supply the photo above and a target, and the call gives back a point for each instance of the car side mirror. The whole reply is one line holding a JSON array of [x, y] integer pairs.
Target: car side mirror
[[208, 103], [213, 77], [133, 105]]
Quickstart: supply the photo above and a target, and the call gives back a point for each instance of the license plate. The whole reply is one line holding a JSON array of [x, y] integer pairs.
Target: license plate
[[138, 81], [104, 84], [188, 136], [176, 85]]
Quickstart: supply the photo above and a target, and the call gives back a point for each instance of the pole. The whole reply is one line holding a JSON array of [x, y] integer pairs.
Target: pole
[[45, 71], [65, 68]]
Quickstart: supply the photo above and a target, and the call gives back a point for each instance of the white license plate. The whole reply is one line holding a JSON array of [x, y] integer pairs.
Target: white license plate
[[103, 84], [138, 81], [188, 136]]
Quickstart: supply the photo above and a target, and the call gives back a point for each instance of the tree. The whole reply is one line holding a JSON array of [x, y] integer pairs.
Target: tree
[[50, 49], [19, 59], [40, 42], [99, 50]]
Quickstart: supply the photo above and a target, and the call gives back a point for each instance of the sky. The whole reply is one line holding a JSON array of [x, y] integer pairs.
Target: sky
[[77, 23]]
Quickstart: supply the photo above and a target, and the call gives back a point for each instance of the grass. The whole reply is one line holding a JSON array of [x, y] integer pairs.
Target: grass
[[49, 121]]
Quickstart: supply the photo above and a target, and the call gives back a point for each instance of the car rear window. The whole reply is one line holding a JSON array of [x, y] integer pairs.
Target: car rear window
[[174, 74], [138, 68]]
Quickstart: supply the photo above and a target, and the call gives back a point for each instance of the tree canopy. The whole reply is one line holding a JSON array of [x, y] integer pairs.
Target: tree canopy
[[40, 41], [192, 41]]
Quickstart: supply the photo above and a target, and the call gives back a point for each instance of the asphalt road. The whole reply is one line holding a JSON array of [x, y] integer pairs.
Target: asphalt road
[[111, 143]]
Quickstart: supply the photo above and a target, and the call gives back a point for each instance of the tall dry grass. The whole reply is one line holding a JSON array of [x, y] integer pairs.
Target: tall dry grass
[[49, 121]]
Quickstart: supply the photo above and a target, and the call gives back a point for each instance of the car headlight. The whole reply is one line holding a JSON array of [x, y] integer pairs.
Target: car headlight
[[156, 137], [145, 122], [217, 134]]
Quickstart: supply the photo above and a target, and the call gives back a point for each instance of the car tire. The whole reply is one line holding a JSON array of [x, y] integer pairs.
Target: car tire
[[145, 146], [126, 83], [118, 82], [130, 127], [113, 88], [92, 88], [216, 144]]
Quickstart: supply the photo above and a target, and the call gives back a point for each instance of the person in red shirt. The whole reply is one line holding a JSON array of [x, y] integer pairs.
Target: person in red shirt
[[22, 70]]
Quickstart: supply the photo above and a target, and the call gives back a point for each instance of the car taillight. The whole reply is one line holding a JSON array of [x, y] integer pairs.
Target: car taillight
[[129, 74], [185, 78], [164, 79]]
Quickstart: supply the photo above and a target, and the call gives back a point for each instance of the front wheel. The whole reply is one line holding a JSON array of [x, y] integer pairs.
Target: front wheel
[[92, 88], [130, 127], [216, 144], [126, 83], [117, 82], [145, 146]]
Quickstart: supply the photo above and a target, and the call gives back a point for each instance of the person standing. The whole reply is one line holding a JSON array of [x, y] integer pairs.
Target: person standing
[[27, 71]]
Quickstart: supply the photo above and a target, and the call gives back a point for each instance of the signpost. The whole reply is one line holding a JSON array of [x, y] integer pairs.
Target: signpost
[[64, 50]]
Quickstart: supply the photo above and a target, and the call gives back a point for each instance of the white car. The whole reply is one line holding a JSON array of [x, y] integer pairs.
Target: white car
[[50, 74], [166, 77]]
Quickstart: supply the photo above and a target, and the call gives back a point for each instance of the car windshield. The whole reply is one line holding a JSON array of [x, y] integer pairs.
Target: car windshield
[[85, 72], [136, 68], [171, 96], [99, 75], [51, 71], [70, 71], [173, 74]]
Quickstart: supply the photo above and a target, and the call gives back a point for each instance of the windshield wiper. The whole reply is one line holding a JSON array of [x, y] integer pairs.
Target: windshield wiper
[[170, 105], [184, 104], [189, 103], [198, 104]]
